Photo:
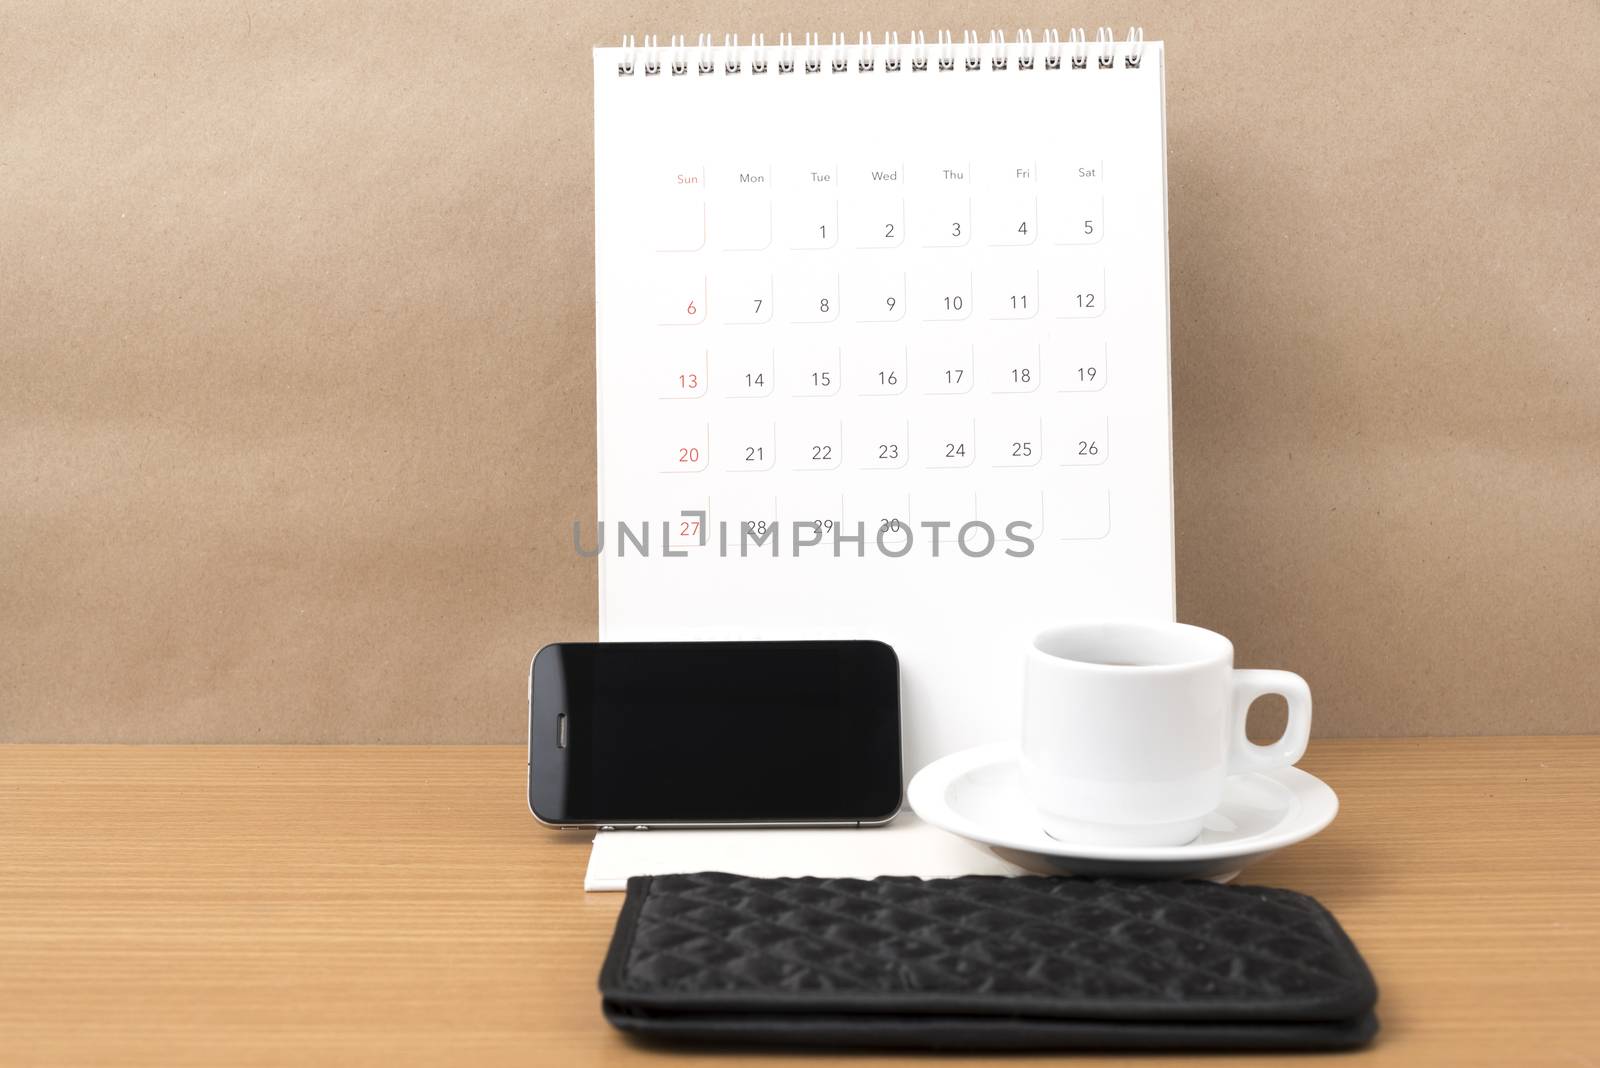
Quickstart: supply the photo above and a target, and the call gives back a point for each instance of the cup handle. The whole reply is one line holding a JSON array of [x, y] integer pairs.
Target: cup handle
[[1245, 755]]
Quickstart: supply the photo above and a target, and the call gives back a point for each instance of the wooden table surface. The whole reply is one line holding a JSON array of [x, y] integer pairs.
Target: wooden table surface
[[391, 906]]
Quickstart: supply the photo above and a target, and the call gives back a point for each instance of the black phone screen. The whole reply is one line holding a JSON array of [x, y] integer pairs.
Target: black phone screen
[[714, 732]]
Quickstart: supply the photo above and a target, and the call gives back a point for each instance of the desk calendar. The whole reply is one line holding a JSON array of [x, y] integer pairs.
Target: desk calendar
[[882, 349]]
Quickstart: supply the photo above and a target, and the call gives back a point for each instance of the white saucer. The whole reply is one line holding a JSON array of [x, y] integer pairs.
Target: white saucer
[[977, 794]]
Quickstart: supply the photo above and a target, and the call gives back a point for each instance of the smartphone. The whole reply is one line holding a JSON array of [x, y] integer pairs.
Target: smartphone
[[714, 734]]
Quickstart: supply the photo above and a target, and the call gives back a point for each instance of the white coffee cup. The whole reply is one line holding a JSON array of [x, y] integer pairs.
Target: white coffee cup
[[1129, 730]]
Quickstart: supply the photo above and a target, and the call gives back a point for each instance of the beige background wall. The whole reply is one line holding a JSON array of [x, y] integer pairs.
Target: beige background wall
[[296, 347]]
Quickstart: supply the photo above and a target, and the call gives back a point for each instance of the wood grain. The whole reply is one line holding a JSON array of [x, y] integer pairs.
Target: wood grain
[[388, 906]]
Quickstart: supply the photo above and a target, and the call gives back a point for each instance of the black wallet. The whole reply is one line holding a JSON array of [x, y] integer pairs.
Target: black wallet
[[983, 962]]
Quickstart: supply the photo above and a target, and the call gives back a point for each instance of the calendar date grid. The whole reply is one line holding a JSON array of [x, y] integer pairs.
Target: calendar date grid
[[817, 291]]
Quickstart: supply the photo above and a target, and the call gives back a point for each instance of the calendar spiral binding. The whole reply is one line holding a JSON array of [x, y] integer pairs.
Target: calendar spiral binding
[[813, 55]]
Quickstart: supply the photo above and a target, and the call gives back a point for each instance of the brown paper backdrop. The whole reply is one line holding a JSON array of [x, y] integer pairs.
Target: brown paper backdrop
[[297, 402]]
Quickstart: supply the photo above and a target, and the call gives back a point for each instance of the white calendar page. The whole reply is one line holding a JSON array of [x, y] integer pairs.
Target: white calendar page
[[861, 302]]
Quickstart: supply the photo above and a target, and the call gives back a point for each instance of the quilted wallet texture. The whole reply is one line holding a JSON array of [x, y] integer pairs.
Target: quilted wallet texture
[[983, 962]]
